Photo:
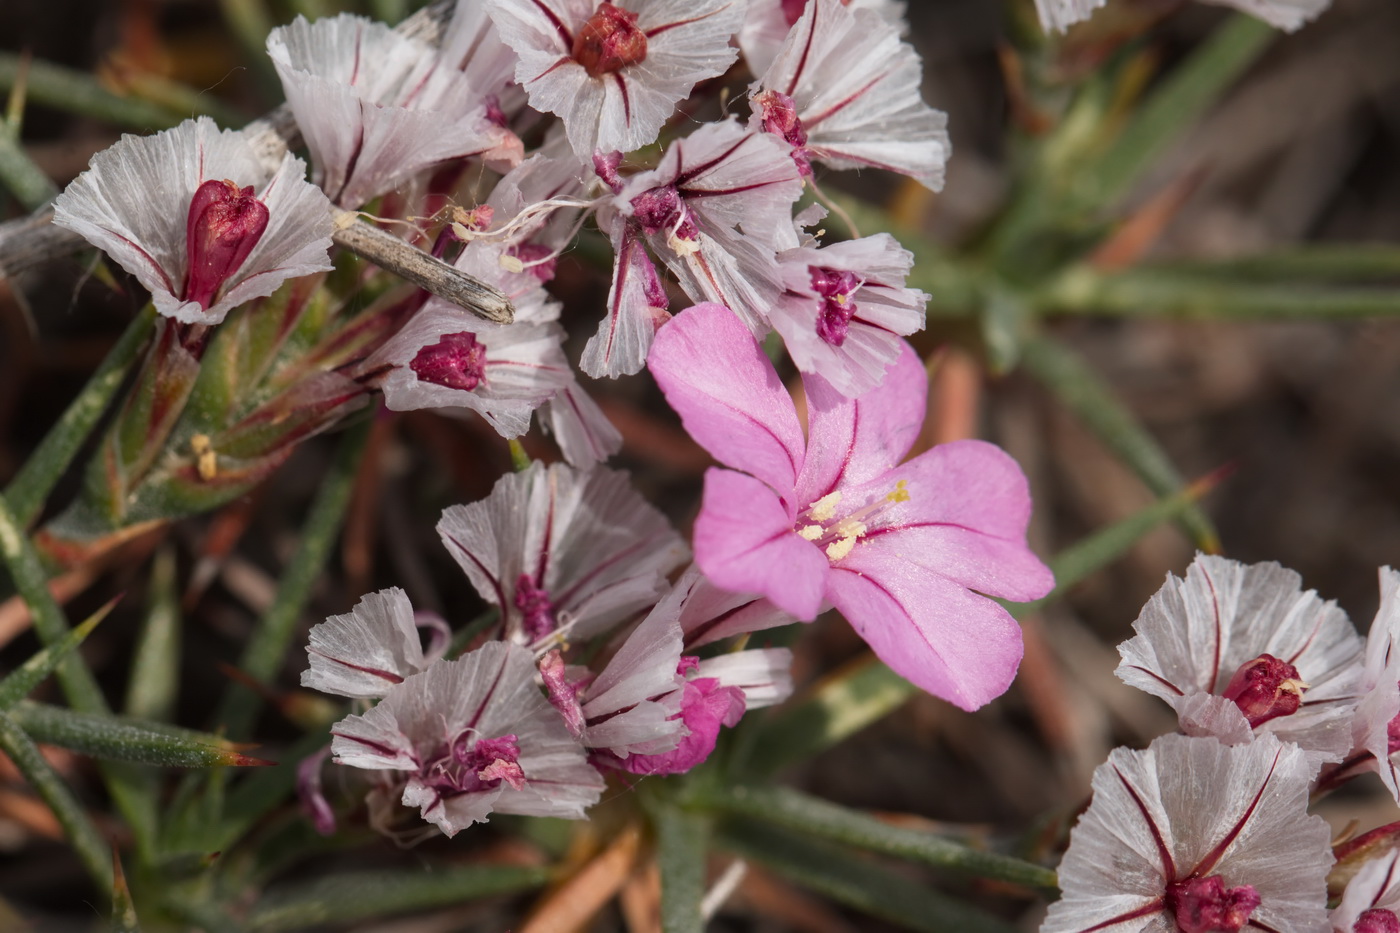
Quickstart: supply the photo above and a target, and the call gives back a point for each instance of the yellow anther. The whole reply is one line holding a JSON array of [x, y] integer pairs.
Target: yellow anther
[[511, 263], [849, 528], [810, 532], [682, 246], [900, 492], [824, 509], [839, 549], [206, 462]]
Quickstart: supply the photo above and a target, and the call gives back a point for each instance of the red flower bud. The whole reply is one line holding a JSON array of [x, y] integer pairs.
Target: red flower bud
[[223, 225], [609, 41]]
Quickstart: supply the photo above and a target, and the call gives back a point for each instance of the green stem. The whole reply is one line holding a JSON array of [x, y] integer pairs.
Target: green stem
[[1080, 390], [682, 841], [267, 648], [25, 180], [93, 851], [77, 92], [32, 485]]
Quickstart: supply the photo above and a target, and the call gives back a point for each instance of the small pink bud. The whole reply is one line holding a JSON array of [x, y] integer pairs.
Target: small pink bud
[[1377, 920], [223, 225], [1266, 688], [780, 118], [1205, 905], [457, 361], [609, 41]]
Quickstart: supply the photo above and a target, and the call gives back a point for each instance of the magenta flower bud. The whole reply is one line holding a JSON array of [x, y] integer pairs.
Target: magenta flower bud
[[457, 361], [1377, 920], [834, 287], [1205, 905], [535, 608], [224, 223], [609, 41], [1266, 688]]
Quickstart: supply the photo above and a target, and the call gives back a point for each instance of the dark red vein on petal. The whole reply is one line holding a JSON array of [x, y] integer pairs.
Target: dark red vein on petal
[[1168, 865], [1213, 857]]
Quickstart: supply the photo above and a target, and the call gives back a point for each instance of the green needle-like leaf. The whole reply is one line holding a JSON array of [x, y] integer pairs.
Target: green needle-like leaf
[[44, 468], [267, 648], [1081, 391], [124, 918], [789, 808], [20, 176], [155, 669], [853, 880], [121, 739], [31, 673], [358, 897], [682, 838], [87, 842], [80, 93]]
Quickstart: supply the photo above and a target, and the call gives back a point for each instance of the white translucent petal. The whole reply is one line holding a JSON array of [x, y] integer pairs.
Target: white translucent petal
[[583, 432], [1061, 14], [711, 614], [766, 26], [1377, 884], [619, 348], [1285, 14], [366, 651], [764, 674], [1194, 634]]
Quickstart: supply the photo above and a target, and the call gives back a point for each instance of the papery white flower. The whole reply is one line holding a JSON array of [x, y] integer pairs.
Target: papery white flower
[[844, 309], [1376, 729], [614, 72], [472, 45], [375, 107], [1191, 835], [200, 220], [583, 432], [1285, 14], [714, 210], [564, 553], [1371, 902], [372, 648], [768, 22], [1239, 650], [844, 90], [471, 737]]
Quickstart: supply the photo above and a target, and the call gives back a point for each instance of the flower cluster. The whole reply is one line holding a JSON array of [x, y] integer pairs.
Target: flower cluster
[[1278, 700]]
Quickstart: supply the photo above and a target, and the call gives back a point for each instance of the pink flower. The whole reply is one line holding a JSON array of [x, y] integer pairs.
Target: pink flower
[[200, 220], [613, 72], [1239, 650], [844, 90], [1191, 836], [473, 736], [899, 549]]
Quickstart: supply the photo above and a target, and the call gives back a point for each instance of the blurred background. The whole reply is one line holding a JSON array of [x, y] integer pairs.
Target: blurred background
[[1299, 402]]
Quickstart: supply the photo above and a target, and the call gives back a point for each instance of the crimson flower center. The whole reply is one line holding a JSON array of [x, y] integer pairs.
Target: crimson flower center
[[1266, 688], [1377, 920], [834, 287], [457, 361], [780, 118], [224, 223], [535, 607], [1205, 905], [609, 41], [463, 768]]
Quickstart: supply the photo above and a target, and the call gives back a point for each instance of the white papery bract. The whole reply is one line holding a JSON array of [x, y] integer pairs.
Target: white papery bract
[[564, 553], [715, 210], [1376, 887], [473, 736], [1375, 730], [614, 72], [1190, 809], [133, 203], [1194, 635], [844, 308], [375, 107], [845, 90], [369, 649], [1285, 14], [583, 432], [768, 22]]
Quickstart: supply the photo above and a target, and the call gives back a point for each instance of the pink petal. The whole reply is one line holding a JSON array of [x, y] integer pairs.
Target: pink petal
[[853, 441], [744, 542], [729, 397], [931, 631]]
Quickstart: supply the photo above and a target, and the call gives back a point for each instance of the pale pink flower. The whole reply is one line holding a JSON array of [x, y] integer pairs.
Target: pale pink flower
[[844, 308], [1191, 836], [200, 220], [373, 647], [768, 22], [844, 90], [614, 72], [375, 107], [1239, 650], [1371, 902], [1285, 14], [565, 554], [470, 737], [898, 548]]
